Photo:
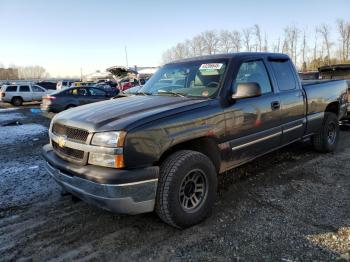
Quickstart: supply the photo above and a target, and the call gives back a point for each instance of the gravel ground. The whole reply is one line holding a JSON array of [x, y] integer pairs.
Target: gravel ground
[[290, 205]]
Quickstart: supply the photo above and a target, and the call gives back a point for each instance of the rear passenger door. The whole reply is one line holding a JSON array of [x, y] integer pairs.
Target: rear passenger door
[[253, 124], [83, 95], [293, 101], [25, 93], [97, 94]]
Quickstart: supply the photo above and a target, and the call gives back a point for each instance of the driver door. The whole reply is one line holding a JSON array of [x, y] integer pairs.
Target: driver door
[[253, 125]]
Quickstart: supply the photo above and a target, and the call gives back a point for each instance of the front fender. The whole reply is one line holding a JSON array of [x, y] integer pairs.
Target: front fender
[[145, 145]]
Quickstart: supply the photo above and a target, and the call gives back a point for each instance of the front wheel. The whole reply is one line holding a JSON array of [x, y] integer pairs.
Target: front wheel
[[187, 188], [327, 139]]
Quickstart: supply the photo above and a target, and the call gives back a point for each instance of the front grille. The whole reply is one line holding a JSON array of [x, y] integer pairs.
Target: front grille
[[70, 132], [75, 154]]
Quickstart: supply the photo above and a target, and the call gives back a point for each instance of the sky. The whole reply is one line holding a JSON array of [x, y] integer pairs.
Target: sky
[[67, 35]]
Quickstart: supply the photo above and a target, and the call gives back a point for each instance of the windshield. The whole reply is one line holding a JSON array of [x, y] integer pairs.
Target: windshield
[[192, 79]]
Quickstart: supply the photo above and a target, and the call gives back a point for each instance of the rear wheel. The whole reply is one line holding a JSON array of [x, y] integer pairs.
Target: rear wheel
[[187, 188], [327, 140], [17, 101]]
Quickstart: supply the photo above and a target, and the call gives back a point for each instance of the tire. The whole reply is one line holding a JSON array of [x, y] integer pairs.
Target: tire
[[17, 101], [186, 176], [327, 140]]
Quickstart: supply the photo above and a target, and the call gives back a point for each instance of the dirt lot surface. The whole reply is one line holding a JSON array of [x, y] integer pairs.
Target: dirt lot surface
[[291, 205]]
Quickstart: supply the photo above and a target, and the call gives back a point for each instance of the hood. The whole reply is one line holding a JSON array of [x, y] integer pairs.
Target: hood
[[122, 113]]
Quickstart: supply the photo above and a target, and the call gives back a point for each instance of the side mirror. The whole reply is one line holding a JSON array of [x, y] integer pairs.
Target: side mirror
[[246, 90]]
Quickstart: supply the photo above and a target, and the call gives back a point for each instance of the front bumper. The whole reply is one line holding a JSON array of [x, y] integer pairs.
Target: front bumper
[[123, 194]]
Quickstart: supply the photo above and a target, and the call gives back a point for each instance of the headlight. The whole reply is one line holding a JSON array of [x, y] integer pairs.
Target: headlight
[[116, 161], [109, 139]]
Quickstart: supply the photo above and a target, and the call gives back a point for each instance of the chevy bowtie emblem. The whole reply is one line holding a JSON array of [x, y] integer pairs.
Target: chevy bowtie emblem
[[62, 141]]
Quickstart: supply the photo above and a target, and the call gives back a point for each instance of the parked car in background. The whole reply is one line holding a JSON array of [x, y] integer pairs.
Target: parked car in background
[[337, 72], [17, 94], [133, 90], [73, 97], [48, 85], [76, 84], [312, 75], [163, 149], [111, 90], [62, 84]]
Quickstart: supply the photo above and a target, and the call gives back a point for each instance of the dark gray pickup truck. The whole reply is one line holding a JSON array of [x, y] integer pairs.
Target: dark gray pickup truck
[[161, 149]]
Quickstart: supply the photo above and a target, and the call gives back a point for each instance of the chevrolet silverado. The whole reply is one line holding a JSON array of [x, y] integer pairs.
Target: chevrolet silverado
[[161, 149]]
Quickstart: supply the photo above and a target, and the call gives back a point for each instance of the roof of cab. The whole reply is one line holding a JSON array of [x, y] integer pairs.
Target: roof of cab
[[232, 56]]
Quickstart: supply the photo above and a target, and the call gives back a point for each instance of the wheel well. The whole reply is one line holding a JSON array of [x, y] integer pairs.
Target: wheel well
[[333, 108], [204, 145], [17, 97]]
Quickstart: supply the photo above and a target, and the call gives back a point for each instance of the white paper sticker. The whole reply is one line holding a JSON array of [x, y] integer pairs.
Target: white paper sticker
[[211, 66]]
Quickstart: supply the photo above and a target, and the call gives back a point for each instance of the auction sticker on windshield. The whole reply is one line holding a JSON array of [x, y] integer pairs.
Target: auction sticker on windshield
[[211, 66]]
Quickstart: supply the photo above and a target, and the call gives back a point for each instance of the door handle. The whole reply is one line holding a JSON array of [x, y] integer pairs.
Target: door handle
[[275, 105]]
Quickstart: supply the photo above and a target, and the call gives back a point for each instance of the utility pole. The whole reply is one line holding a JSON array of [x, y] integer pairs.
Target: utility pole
[[126, 58], [81, 73]]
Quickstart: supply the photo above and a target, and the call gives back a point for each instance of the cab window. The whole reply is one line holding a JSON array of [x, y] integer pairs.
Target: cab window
[[253, 71], [284, 75]]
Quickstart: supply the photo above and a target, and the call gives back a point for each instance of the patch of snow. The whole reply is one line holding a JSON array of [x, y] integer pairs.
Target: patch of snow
[[22, 184], [10, 117], [8, 109], [21, 133]]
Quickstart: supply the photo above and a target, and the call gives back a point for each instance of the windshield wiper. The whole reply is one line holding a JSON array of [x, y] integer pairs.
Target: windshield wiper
[[171, 93]]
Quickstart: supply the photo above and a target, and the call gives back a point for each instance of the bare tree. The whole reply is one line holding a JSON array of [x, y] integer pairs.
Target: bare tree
[[344, 32], [180, 51], [266, 44], [32, 72], [197, 46], [225, 41], [211, 42], [258, 38], [167, 56], [236, 40], [276, 46], [324, 30], [247, 34], [303, 52], [291, 35], [315, 46]]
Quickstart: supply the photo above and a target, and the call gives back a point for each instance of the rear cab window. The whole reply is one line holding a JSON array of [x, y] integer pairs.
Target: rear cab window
[[284, 74]]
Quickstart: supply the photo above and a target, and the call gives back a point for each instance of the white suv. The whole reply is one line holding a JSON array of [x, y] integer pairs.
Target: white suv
[[17, 94]]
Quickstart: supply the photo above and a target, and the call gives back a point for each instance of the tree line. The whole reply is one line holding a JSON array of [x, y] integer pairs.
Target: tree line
[[14, 72], [308, 51]]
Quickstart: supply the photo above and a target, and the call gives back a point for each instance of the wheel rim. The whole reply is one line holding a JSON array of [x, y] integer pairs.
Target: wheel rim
[[331, 133], [193, 190]]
